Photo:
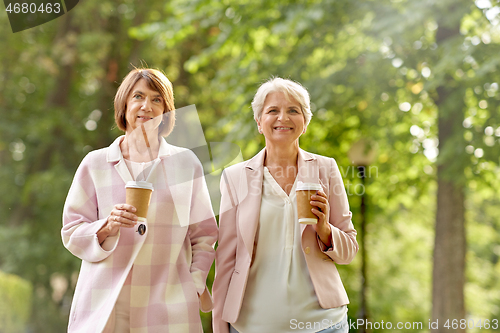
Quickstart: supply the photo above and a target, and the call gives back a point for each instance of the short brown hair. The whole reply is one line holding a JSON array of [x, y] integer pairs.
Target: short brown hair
[[155, 80]]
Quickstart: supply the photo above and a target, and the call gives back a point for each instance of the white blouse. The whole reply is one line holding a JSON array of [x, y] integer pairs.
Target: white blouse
[[280, 296], [140, 171]]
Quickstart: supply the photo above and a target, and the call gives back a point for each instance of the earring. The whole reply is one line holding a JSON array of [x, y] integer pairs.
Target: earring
[[260, 130]]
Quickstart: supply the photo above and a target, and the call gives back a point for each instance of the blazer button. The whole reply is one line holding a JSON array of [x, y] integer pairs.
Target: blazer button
[[142, 229], [307, 250]]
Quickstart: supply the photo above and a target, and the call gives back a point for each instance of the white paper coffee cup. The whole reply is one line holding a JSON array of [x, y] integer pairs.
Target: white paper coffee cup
[[304, 191], [138, 194]]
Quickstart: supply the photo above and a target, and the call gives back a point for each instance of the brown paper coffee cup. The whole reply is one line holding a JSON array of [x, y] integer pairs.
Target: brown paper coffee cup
[[304, 191], [138, 194]]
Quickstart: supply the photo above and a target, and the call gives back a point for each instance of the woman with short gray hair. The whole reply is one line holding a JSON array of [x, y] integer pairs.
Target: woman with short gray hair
[[274, 274]]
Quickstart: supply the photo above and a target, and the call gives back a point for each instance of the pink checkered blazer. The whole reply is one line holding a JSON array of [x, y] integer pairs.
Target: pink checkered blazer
[[241, 189], [168, 265]]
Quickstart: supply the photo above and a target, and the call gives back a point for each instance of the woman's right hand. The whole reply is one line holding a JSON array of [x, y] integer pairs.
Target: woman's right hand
[[122, 215]]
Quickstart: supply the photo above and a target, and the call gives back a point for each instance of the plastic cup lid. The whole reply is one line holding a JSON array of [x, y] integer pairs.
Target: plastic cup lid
[[308, 186], [140, 184]]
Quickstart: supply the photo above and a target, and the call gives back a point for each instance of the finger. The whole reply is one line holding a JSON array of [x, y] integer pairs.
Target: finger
[[321, 216], [318, 213], [321, 205], [317, 202], [126, 215], [320, 194], [126, 207], [124, 221]]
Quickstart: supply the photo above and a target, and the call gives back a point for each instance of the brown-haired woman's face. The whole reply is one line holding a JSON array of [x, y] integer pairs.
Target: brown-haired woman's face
[[143, 104]]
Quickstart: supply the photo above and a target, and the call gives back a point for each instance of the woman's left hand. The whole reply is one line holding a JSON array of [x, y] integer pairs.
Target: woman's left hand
[[321, 208]]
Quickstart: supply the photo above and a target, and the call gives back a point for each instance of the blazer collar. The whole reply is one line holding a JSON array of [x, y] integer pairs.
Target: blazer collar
[[115, 156], [307, 167], [257, 162], [115, 153]]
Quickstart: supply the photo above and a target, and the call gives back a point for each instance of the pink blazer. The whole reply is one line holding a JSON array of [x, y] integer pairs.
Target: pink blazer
[[241, 187], [169, 263]]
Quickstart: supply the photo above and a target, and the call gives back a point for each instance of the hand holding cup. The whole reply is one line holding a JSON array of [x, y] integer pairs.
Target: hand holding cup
[[138, 196], [122, 215], [321, 208], [313, 208]]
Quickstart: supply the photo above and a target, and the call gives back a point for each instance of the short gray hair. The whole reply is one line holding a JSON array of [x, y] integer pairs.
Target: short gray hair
[[290, 89]]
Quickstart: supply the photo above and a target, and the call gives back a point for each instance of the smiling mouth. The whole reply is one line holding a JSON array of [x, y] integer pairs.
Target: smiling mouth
[[281, 128], [144, 118]]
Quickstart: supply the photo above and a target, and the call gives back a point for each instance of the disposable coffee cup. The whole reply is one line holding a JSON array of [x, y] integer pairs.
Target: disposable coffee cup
[[138, 194], [304, 191]]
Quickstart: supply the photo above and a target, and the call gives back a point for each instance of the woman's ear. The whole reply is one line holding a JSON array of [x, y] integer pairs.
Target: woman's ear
[[258, 125]]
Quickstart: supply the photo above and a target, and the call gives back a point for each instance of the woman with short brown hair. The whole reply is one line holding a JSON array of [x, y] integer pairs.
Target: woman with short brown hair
[[140, 274]]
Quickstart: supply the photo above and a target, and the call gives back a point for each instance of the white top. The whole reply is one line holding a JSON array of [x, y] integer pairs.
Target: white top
[[140, 171], [279, 293]]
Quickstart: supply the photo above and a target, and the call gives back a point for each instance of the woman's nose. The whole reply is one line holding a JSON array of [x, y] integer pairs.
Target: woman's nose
[[146, 104]]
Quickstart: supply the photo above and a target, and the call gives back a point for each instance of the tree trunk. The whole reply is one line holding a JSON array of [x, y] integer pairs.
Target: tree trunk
[[449, 244]]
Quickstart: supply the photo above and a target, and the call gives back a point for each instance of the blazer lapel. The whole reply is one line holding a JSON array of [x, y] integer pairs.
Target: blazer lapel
[[115, 155], [251, 190]]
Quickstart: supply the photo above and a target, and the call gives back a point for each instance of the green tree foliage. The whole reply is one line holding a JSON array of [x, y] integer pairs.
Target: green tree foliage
[[15, 303], [58, 82], [373, 69]]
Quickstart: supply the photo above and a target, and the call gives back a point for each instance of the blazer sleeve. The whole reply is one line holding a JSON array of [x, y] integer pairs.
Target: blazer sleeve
[[80, 218], [344, 244], [225, 256], [202, 230]]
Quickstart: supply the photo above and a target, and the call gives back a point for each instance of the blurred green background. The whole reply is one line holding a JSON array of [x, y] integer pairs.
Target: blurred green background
[[418, 78]]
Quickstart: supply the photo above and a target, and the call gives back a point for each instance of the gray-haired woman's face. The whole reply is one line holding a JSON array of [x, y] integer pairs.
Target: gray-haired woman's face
[[281, 121]]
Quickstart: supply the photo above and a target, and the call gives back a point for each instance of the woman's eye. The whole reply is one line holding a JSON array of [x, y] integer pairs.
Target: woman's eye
[[157, 100], [272, 111], [294, 111], [137, 96]]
